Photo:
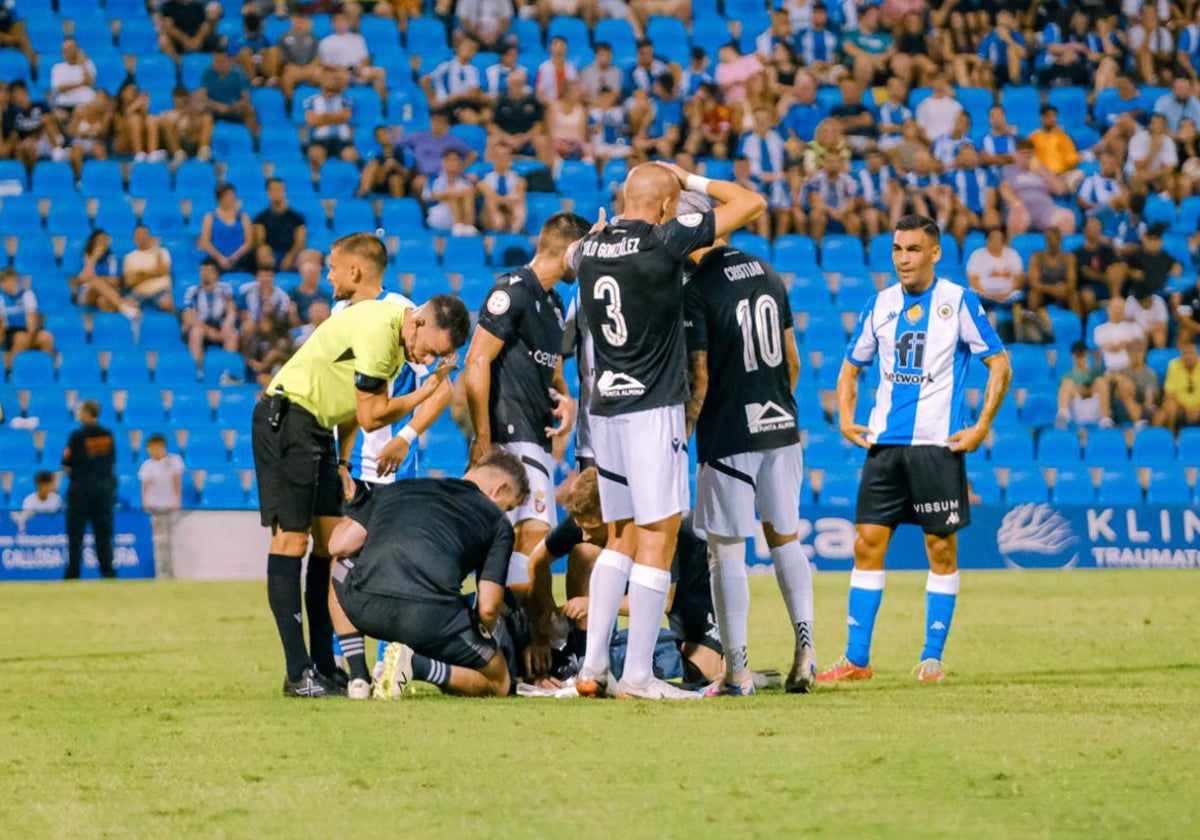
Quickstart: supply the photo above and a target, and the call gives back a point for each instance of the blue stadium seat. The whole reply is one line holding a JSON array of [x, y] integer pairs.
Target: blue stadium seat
[[1026, 486], [1029, 364], [222, 363], [539, 208], [710, 34], [879, 252], [1189, 216], [401, 215], [164, 217], [338, 179], [841, 252], [473, 135], [111, 331], [206, 450], [175, 369], [618, 34], [143, 409], [1010, 448], [1059, 448], [1066, 326], [17, 452], [115, 216], [366, 109], [380, 34], [13, 66], [1153, 448], [575, 176], [1106, 447], [76, 9], [1027, 244], [1039, 410], [753, 244], [45, 34], [1176, 244], [127, 369], [1158, 360], [977, 102], [196, 177], [52, 179], [426, 40], [464, 253], [1072, 106], [1168, 487], [1073, 487], [1189, 446], [669, 38], [1159, 210], [527, 32], [101, 179], [984, 483], [575, 31], [795, 252], [505, 247], [192, 68], [1022, 104], [153, 69], [222, 491], [353, 215], [68, 218], [231, 141], [1119, 486], [753, 26], [279, 142], [408, 106], [13, 176], [78, 367]]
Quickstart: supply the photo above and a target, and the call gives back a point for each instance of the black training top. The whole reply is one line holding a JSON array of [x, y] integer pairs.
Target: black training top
[[736, 309], [631, 290], [90, 455], [425, 536], [529, 320]]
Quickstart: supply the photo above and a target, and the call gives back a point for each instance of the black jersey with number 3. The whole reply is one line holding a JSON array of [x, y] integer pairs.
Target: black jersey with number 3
[[529, 320], [737, 311], [631, 291]]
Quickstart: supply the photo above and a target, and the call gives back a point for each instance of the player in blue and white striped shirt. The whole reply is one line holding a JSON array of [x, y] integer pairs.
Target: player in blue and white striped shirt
[[924, 331]]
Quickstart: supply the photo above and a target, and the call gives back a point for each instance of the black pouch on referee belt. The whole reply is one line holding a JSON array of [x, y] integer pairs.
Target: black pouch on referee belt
[[277, 405]]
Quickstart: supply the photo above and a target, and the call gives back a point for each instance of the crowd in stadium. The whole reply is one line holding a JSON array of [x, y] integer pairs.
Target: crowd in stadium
[[1056, 145]]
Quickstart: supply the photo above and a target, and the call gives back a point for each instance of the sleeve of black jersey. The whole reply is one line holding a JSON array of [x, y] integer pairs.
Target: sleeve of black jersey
[[694, 320], [359, 508], [563, 538], [501, 312], [779, 289], [495, 565], [688, 232]]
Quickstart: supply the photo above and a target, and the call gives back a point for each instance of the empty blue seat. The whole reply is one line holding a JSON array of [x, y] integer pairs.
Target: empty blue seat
[[196, 177], [68, 218], [464, 253], [1026, 486], [223, 364], [366, 108], [149, 179], [1153, 448], [1022, 104], [101, 179], [1189, 446], [338, 179], [1168, 487], [13, 66], [1071, 103], [353, 215], [31, 368], [1011, 447], [1106, 447], [794, 252], [983, 483], [115, 216], [669, 37], [1027, 244], [618, 34], [575, 176], [510, 249], [192, 68], [78, 367], [1119, 486], [17, 452], [539, 208], [1029, 364], [279, 143], [879, 252], [841, 252], [401, 215], [474, 136], [1074, 487], [53, 179], [426, 40], [127, 369], [231, 141], [164, 217], [175, 369], [222, 491], [111, 330], [206, 450]]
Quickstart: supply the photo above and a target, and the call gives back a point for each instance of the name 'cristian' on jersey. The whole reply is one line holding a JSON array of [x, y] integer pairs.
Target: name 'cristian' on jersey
[[607, 250]]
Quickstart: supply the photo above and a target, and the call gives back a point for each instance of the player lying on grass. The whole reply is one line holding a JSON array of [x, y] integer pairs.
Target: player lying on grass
[[406, 549]]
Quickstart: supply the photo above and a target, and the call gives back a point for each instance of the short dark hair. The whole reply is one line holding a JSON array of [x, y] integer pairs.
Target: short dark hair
[[366, 245], [18, 83], [564, 228], [1079, 347], [210, 261], [923, 223], [43, 477], [499, 459], [603, 45], [450, 313], [698, 53], [224, 188], [157, 437], [273, 181], [1046, 109], [91, 408]]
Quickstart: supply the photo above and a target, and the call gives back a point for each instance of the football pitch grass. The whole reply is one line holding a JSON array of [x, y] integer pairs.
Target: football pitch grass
[[143, 709]]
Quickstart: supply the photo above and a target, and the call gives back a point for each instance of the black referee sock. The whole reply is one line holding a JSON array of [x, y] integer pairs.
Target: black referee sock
[[283, 594], [430, 670], [320, 625], [354, 649]]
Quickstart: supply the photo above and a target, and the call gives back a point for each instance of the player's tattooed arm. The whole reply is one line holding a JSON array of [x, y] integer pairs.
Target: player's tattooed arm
[[698, 384], [999, 377], [847, 400], [484, 349]]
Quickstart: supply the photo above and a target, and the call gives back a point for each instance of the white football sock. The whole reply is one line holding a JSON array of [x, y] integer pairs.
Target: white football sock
[[794, 575], [605, 592], [648, 590], [731, 602], [518, 569]]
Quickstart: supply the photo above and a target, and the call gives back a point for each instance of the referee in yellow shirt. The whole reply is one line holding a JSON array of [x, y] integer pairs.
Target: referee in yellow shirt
[[337, 380]]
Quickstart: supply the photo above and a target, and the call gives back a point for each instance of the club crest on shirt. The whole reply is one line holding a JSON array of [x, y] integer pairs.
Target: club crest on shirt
[[945, 311], [499, 302], [539, 501], [690, 219], [913, 313]]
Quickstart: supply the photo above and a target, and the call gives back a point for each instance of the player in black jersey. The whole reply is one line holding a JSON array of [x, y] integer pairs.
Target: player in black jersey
[[744, 366], [631, 292], [516, 393], [406, 549]]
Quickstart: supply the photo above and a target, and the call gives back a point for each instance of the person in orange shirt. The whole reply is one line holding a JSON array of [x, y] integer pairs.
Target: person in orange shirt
[[1055, 150]]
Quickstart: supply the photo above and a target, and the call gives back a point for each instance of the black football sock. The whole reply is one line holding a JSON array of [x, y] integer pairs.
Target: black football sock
[[316, 604], [430, 670], [283, 594], [354, 650], [576, 642]]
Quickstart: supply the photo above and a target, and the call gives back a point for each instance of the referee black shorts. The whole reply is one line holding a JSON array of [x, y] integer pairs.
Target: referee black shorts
[[921, 485], [447, 631], [296, 468]]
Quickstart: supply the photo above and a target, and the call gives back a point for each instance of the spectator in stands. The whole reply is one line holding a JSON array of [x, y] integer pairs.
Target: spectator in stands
[[912, 61], [262, 299], [647, 68], [497, 75], [710, 125], [29, 126], [1116, 336], [98, 283], [1181, 390], [974, 198], [893, 114], [136, 132], [161, 477], [765, 150], [227, 92], [567, 125], [209, 313], [485, 21], [280, 228], [187, 128], [1186, 307], [1150, 266], [183, 27], [997, 274], [1149, 312], [938, 113], [1135, 391], [854, 118], [818, 46], [643, 10], [254, 53], [72, 80], [1028, 195], [20, 319], [1066, 59], [609, 127], [1152, 46], [226, 234], [1053, 279], [960, 48], [654, 118], [517, 119], [298, 54], [146, 272], [601, 74], [44, 498], [555, 72], [89, 458], [733, 72], [545, 10], [1101, 276], [1052, 146], [429, 148], [503, 194], [1004, 50], [389, 172], [318, 314], [348, 50], [869, 49], [829, 200], [1083, 398], [308, 292], [327, 115], [1000, 143], [12, 33], [89, 131], [455, 86], [1098, 190], [1152, 158], [880, 194], [450, 198], [945, 148], [802, 115], [1179, 104]]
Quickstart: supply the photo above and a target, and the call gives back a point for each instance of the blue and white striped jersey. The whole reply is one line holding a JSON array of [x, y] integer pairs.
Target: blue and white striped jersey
[[924, 344], [367, 447]]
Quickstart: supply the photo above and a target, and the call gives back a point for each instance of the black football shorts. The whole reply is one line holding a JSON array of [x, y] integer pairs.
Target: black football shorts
[[921, 485], [296, 468]]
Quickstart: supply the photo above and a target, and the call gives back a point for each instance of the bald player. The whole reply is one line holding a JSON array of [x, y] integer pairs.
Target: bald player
[[631, 292]]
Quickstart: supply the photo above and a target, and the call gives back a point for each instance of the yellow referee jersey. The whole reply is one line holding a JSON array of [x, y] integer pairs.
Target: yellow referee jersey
[[361, 339]]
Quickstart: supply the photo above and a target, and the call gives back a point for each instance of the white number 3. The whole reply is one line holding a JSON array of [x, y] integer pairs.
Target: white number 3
[[608, 291]]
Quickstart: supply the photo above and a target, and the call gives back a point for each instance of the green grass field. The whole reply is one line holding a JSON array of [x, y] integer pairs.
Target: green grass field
[[141, 709]]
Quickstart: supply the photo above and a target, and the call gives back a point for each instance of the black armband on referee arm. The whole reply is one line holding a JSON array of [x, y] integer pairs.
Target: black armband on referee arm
[[369, 384]]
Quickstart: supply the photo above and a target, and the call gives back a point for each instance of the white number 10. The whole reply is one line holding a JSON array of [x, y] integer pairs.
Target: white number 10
[[764, 321]]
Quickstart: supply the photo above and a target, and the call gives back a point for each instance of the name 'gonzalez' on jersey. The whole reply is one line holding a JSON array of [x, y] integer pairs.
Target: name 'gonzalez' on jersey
[[631, 291], [736, 310], [529, 320], [924, 344]]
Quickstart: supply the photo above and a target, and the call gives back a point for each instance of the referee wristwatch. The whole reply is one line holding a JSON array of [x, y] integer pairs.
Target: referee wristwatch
[[342, 462]]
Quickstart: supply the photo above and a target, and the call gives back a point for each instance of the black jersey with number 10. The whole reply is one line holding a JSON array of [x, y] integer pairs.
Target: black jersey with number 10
[[736, 309], [631, 291]]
